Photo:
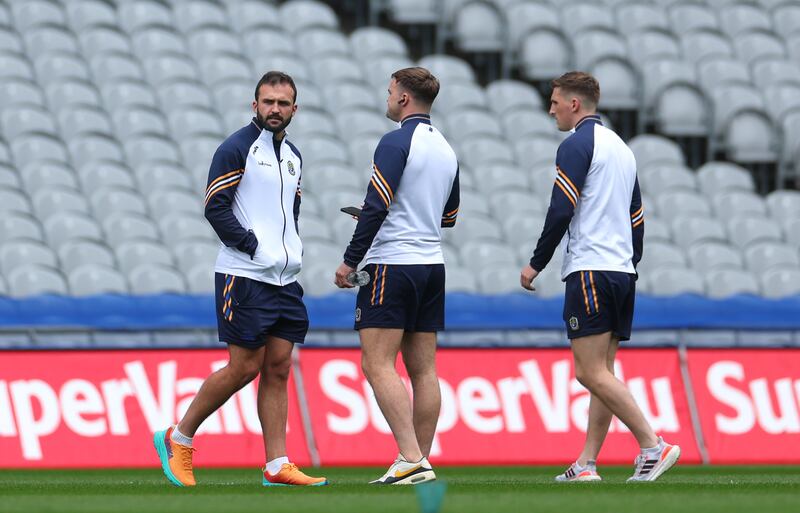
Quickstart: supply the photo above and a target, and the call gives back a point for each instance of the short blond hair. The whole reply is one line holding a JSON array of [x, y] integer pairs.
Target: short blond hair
[[580, 84]]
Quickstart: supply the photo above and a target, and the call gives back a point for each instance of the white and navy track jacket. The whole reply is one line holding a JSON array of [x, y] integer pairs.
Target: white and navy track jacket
[[253, 203], [595, 199], [412, 194]]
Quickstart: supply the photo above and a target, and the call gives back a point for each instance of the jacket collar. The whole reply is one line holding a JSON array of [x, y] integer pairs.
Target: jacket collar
[[416, 118], [592, 118]]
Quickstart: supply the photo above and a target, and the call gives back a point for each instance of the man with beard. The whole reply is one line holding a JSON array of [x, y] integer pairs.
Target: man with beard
[[253, 202]]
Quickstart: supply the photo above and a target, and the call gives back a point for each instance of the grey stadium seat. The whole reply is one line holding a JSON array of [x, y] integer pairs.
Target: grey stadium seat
[[85, 15], [197, 152], [738, 19], [323, 150], [61, 65], [597, 43], [128, 93], [317, 280], [776, 71], [157, 39], [671, 281], [499, 280], [138, 120], [768, 255], [196, 120], [689, 230], [660, 177], [722, 283], [115, 66], [314, 228], [713, 177], [523, 229], [26, 119], [682, 202], [620, 83], [160, 177], [363, 147], [48, 38], [533, 152], [191, 17], [731, 204], [155, 279], [691, 17], [34, 280], [784, 204], [200, 279], [335, 68], [371, 41], [463, 123], [334, 176], [76, 253], [751, 137], [716, 71], [166, 67], [48, 174], [227, 95], [460, 279], [182, 227], [76, 121], [633, 17], [124, 227], [19, 226], [413, 12], [655, 228], [312, 121], [15, 91], [479, 27], [448, 68], [548, 283], [653, 148], [20, 253], [708, 255], [177, 95], [661, 254], [299, 69], [138, 14], [503, 177], [743, 231], [257, 38], [89, 280], [13, 201], [758, 45], [192, 254], [351, 94], [472, 226], [790, 126], [477, 151], [10, 42], [15, 66], [56, 201], [104, 174], [583, 16], [69, 226], [458, 95], [524, 122], [8, 177], [510, 95], [299, 14], [139, 252], [479, 254], [95, 147], [37, 147], [652, 44], [150, 149], [778, 283], [544, 54], [522, 17], [253, 14], [320, 41], [378, 69], [110, 200], [786, 19], [164, 202], [704, 44], [222, 67]]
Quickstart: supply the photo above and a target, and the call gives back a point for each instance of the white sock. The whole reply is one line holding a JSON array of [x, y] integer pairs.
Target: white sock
[[180, 438], [591, 464], [274, 466], [653, 450]]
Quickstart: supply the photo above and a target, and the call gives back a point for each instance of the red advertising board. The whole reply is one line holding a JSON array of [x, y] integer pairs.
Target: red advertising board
[[749, 403], [100, 409], [499, 406]]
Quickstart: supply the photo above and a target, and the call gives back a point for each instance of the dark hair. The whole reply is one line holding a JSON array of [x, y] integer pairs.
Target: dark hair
[[419, 82], [274, 78], [580, 84]]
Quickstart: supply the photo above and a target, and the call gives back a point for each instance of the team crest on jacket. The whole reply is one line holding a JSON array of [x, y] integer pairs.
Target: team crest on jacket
[[290, 167], [573, 323]]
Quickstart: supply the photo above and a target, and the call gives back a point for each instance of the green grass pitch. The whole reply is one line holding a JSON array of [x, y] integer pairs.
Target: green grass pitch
[[758, 489]]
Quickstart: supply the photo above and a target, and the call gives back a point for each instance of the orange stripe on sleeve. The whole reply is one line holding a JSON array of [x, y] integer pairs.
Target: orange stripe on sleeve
[[380, 192], [380, 176], [235, 182], [567, 194], [565, 177], [637, 223], [223, 177], [637, 212]]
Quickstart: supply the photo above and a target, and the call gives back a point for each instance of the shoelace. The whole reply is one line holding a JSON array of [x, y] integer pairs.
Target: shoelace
[[292, 467], [638, 463], [186, 458]]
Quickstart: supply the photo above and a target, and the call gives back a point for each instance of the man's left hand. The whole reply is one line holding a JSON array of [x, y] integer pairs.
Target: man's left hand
[[527, 276], [340, 279]]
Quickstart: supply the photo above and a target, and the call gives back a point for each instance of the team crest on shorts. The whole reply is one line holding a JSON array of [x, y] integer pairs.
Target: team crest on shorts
[[358, 314], [290, 167], [573, 323]]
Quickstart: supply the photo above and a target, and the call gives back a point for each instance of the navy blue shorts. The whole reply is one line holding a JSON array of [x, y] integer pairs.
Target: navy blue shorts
[[409, 297], [249, 310], [599, 301]]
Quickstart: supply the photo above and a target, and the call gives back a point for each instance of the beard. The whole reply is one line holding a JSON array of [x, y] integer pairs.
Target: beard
[[274, 129]]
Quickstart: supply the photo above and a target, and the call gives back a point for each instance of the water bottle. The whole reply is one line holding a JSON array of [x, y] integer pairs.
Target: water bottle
[[358, 278]]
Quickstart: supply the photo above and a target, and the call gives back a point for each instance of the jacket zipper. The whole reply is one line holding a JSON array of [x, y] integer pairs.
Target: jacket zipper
[[283, 211]]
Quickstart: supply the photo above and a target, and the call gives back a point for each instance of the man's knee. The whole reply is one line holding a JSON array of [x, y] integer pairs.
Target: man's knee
[[279, 370], [587, 377], [245, 371]]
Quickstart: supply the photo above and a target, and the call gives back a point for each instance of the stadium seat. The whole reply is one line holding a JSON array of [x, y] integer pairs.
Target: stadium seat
[[790, 126], [15, 67], [167, 177], [700, 45], [194, 253], [47, 38], [784, 204], [115, 67], [543, 54], [661, 254], [498, 180], [15, 225], [91, 147], [179, 227], [751, 137], [731, 204], [635, 17], [716, 71], [499, 280], [722, 283], [362, 149], [707, 255], [8, 177], [125, 226], [531, 153], [128, 93], [479, 27], [257, 38], [771, 72], [508, 96], [689, 230], [314, 228], [455, 96], [92, 279], [139, 252], [10, 42], [672, 281], [653, 148], [757, 45], [300, 69], [85, 15], [521, 122], [522, 229], [660, 177], [110, 200], [784, 98], [135, 120], [37, 147], [167, 201], [61, 65], [34, 280], [378, 69], [472, 227], [656, 230], [156, 279], [196, 121], [76, 121], [104, 174], [193, 17], [300, 14], [691, 17], [19, 253], [69, 226], [316, 42], [18, 91], [55, 201], [14, 201], [138, 14], [222, 67], [682, 110], [148, 148], [786, 19], [780, 282], [26, 119], [317, 280], [767, 255], [620, 83], [585, 15], [367, 42], [464, 123], [460, 279], [42, 175], [154, 40], [714, 177], [166, 67], [253, 15], [335, 68], [76, 253], [652, 44], [597, 43], [743, 231], [478, 151], [346, 95], [548, 284]]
